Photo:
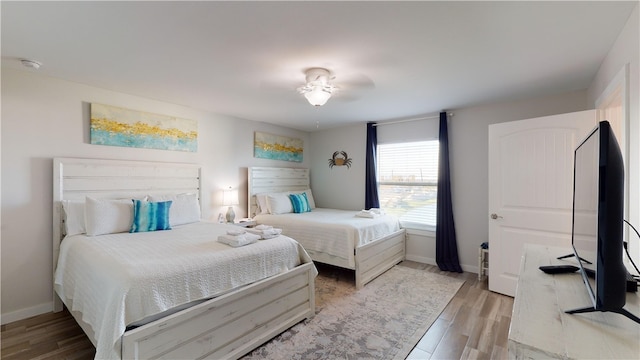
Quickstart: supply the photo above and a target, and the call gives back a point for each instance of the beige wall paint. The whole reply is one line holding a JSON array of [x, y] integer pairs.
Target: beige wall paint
[[44, 118]]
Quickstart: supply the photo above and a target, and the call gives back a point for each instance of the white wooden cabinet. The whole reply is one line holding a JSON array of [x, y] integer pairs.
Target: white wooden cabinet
[[540, 328]]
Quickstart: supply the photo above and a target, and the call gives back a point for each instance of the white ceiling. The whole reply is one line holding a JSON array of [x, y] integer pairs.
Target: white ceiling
[[245, 59]]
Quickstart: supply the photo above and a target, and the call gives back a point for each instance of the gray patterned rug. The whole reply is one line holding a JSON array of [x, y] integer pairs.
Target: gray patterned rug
[[383, 320]]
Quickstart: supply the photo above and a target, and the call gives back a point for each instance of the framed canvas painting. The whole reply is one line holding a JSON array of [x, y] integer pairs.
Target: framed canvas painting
[[116, 126], [277, 147]]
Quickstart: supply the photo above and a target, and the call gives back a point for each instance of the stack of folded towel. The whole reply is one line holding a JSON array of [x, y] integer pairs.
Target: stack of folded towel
[[371, 213], [265, 231], [237, 238]]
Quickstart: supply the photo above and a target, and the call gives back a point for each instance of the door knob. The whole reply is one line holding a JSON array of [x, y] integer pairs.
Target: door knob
[[496, 216]]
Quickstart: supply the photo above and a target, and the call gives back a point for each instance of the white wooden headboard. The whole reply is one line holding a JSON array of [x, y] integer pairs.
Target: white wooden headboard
[[272, 179], [75, 178]]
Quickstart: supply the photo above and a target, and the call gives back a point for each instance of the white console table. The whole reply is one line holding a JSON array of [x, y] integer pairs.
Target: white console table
[[540, 328]]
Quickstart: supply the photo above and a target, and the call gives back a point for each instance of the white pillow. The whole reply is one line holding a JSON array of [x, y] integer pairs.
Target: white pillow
[[279, 203], [185, 208], [107, 216], [312, 204], [263, 208], [74, 217]]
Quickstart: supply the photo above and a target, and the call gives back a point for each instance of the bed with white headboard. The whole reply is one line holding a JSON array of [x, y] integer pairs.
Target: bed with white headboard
[[330, 236], [225, 326]]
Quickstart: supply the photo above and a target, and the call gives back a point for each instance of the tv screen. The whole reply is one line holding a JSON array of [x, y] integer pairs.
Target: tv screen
[[585, 206], [598, 205]]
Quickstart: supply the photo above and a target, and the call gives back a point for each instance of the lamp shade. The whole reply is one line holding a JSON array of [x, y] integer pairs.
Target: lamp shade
[[230, 197], [317, 96]]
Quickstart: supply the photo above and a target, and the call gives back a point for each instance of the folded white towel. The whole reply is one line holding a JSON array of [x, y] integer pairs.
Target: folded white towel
[[236, 232], [263, 227], [267, 237], [371, 213], [266, 233], [271, 231], [366, 214], [238, 240]]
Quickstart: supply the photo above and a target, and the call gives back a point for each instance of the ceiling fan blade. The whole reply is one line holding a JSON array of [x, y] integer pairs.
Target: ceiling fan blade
[[355, 81], [279, 85], [344, 98]]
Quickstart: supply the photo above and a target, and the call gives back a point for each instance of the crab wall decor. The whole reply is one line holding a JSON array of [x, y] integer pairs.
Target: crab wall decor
[[340, 158]]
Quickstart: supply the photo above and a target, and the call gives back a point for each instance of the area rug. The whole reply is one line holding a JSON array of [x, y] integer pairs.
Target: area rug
[[383, 320]]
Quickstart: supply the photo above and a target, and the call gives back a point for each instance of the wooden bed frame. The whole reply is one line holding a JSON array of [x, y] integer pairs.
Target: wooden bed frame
[[227, 326], [371, 259]]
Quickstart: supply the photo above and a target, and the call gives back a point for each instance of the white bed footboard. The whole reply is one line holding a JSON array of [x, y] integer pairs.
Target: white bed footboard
[[376, 257], [231, 325]]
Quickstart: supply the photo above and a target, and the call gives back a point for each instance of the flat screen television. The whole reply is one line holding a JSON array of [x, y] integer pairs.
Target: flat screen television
[[598, 207]]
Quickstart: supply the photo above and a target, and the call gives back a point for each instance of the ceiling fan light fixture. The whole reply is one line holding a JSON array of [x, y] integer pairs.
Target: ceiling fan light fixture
[[317, 96], [317, 90]]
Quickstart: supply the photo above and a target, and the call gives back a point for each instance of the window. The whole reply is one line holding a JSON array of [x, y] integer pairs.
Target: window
[[408, 182]]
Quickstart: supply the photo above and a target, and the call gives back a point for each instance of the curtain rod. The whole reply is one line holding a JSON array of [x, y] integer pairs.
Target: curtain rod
[[414, 119]]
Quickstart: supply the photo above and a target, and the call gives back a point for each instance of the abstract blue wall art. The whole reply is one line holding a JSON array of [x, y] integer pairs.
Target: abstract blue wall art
[[276, 147], [116, 126]]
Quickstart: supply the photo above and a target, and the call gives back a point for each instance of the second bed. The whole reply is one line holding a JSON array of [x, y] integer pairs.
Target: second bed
[[368, 245]]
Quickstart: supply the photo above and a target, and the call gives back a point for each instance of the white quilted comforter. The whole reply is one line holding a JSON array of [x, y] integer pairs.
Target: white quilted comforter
[[117, 279], [331, 235]]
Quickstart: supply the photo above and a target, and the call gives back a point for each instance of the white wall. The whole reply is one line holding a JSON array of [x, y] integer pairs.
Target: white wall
[[626, 50], [468, 136], [469, 148], [339, 187], [44, 118]]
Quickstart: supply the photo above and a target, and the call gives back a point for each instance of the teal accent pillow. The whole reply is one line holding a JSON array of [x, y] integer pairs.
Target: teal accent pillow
[[150, 216], [300, 203]]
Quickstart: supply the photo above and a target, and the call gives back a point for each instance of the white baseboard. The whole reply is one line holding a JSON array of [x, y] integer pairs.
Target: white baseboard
[[421, 259], [432, 261], [26, 313], [469, 268]]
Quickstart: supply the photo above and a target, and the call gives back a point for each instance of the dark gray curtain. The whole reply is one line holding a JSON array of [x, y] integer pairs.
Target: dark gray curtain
[[371, 180], [446, 247]]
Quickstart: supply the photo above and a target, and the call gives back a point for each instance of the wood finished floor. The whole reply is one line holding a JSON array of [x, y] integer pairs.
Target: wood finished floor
[[474, 325]]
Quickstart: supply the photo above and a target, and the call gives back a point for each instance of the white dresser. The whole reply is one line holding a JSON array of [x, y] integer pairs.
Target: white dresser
[[540, 328]]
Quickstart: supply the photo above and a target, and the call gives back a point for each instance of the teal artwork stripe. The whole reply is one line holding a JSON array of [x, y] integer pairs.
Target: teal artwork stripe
[[102, 137], [277, 155]]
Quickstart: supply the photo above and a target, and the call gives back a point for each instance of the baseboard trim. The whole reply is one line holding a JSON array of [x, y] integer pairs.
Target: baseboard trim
[[432, 261], [26, 313], [421, 259], [468, 268]]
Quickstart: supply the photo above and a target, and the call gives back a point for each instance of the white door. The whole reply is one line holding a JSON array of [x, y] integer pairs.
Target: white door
[[530, 188]]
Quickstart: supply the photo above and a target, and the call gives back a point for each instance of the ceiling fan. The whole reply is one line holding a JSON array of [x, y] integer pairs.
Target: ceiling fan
[[318, 88], [320, 85]]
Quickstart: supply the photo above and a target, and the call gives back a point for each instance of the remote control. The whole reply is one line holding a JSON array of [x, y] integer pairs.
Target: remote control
[[559, 269]]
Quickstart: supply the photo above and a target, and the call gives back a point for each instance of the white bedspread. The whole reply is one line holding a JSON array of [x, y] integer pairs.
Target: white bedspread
[[332, 232], [117, 279]]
